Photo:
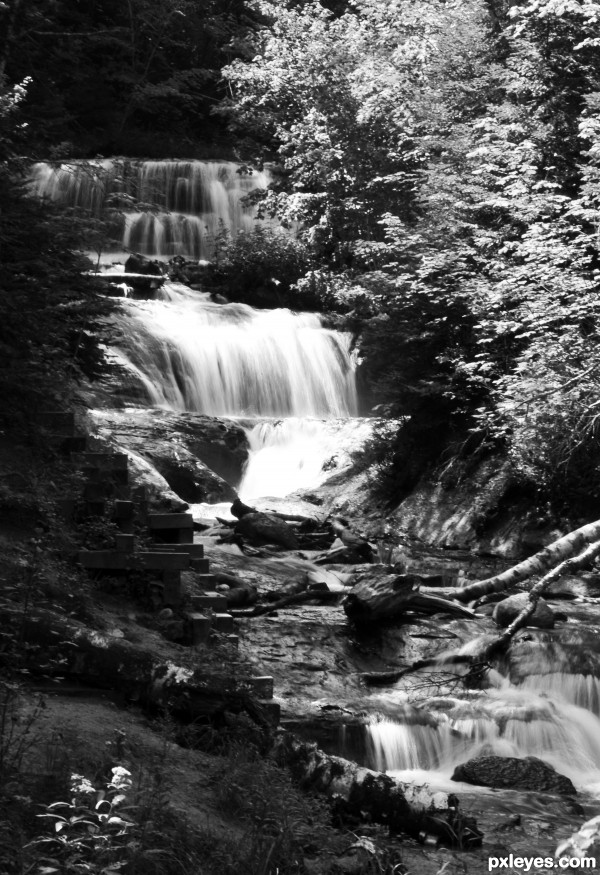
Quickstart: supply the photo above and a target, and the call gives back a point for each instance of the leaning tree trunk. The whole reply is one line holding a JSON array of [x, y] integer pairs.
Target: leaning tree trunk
[[573, 564], [363, 793], [551, 555]]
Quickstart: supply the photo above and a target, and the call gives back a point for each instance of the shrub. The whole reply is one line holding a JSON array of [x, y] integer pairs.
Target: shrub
[[259, 267]]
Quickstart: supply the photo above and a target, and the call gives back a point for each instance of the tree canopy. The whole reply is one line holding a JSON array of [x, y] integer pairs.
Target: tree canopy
[[443, 158]]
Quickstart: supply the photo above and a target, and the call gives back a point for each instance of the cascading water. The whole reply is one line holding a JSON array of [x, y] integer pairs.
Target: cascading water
[[553, 717], [232, 360], [291, 382], [168, 207], [224, 360]]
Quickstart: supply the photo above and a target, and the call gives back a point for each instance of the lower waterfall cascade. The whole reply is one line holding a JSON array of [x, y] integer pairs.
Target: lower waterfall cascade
[[506, 721]]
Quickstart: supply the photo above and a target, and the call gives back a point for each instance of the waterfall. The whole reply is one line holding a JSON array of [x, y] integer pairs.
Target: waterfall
[[188, 353], [289, 379], [167, 207], [290, 453], [233, 360], [504, 721]]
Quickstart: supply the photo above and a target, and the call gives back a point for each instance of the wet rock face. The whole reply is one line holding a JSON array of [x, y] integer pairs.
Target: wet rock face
[[508, 609], [200, 457], [158, 492], [187, 476], [517, 774]]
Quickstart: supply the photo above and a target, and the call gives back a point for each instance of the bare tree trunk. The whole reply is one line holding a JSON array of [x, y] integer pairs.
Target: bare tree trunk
[[551, 555], [363, 793], [569, 565]]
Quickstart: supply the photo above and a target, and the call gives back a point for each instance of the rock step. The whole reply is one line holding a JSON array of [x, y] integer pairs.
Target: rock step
[[104, 488], [198, 628], [262, 686], [272, 710], [210, 601], [194, 551], [68, 444], [125, 543], [116, 560], [223, 623], [165, 521], [200, 565], [206, 581], [102, 475], [123, 510]]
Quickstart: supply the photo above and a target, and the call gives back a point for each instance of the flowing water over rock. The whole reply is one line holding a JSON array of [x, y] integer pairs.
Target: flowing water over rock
[[285, 377], [169, 207], [506, 721]]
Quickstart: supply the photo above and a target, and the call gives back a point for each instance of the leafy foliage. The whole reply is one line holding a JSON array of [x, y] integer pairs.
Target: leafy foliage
[[260, 268], [445, 161]]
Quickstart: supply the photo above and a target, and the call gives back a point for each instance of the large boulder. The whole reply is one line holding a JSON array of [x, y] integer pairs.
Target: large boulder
[[509, 609], [138, 264], [159, 494], [529, 773], [201, 457], [263, 528], [188, 476]]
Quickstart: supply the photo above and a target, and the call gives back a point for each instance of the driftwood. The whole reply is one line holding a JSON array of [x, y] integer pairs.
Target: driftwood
[[384, 678], [356, 544], [376, 598], [553, 554], [361, 793], [323, 596]]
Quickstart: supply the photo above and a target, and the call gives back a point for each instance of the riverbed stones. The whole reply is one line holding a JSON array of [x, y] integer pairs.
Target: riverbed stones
[[529, 773], [509, 609]]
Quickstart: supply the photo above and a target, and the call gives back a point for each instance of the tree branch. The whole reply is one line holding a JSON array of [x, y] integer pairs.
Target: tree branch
[[551, 555]]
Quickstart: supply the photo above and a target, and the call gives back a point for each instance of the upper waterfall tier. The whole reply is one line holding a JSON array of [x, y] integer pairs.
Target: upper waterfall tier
[[169, 207], [233, 360]]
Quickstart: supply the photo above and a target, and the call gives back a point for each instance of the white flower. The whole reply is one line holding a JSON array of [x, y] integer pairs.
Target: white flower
[[80, 785], [121, 779]]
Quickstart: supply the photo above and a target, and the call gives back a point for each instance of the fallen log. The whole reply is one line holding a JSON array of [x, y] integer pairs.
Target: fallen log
[[552, 555], [361, 793], [378, 596], [75, 651], [570, 565]]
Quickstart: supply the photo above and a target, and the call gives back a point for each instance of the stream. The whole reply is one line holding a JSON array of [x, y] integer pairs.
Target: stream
[[291, 383]]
